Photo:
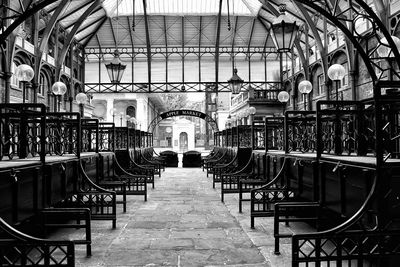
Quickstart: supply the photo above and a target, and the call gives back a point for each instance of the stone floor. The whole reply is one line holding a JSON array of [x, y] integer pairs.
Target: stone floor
[[183, 223]]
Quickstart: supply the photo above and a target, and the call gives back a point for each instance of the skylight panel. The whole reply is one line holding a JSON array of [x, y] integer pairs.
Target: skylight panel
[[179, 7]]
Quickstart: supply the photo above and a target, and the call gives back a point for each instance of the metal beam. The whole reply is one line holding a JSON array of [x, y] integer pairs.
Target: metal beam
[[77, 9], [250, 37], [28, 13], [61, 56], [133, 47], [90, 24], [233, 43], [113, 32], [317, 38], [71, 24], [166, 49], [45, 38], [217, 46], [199, 55], [183, 47], [93, 33], [148, 45]]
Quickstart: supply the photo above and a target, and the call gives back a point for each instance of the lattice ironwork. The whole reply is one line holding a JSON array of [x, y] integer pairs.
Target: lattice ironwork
[[89, 135], [259, 135], [300, 127], [275, 133], [22, 131], [18, 249], [344, 15], [244, 137], [63, 133], [106, 137]]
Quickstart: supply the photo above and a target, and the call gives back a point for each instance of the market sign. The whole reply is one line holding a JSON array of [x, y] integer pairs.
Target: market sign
[[183, 112]]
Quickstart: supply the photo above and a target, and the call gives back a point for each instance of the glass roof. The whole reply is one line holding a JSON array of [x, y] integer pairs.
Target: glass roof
[[179, 7]]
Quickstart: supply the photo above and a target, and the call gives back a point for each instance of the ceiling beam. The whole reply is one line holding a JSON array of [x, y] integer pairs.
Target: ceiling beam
[[93, 33], [71, 35], [200, 30], [146, 25], [183, 47], [322, 49], [113, 32], [130, 32], [46, 36], [217, 46], [90, 24], [233, 42], [250, 38], [71, 24], [23, 17], [76, 9]]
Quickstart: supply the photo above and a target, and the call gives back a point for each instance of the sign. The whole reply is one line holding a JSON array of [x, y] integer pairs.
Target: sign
[[183, 112]]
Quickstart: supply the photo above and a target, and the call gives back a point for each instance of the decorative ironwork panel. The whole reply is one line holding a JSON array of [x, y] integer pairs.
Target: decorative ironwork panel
[[259, 135], [300, 131], [63, 133], [106, 137], [121, 138], [274, 132], [244, 132], [89, 135], [22, 131]]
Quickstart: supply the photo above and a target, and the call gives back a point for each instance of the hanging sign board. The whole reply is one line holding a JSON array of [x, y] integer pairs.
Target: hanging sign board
[[183, 112]]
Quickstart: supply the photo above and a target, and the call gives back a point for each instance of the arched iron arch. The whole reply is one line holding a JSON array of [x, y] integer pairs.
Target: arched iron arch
[[334, 14], [182, 112]]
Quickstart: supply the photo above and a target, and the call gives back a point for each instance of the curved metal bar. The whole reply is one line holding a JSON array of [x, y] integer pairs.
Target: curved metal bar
[[28, 13], [71, 35], [91, 183], [276, 178], [351, 221], [340, 24]]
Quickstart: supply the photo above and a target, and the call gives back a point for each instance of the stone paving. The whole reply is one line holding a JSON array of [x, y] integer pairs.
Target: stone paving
[[183, 223]]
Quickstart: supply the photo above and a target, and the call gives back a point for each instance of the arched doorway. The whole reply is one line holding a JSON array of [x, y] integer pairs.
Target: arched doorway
[[183, 141]]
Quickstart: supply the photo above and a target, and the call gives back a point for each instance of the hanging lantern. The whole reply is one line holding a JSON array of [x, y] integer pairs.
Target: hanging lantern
[[235, 83], [115, 68], [283, 31]]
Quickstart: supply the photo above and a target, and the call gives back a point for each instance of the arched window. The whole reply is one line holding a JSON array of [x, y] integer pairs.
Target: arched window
[[131, 111]]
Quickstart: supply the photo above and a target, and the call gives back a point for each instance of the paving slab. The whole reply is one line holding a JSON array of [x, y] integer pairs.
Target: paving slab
[[183, 223]]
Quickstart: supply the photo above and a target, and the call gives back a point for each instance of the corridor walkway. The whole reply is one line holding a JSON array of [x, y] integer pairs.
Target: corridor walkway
[[183, 223]]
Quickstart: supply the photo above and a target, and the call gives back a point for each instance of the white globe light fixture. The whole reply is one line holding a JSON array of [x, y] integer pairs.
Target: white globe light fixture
[[336, 72], [252, 111], [81, 99], [59, 89], [283, 97], [305, 87], [24, 73]]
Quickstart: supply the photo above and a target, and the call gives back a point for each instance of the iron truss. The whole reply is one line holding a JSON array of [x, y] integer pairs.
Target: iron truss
[[131, 52], [173, 87]]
